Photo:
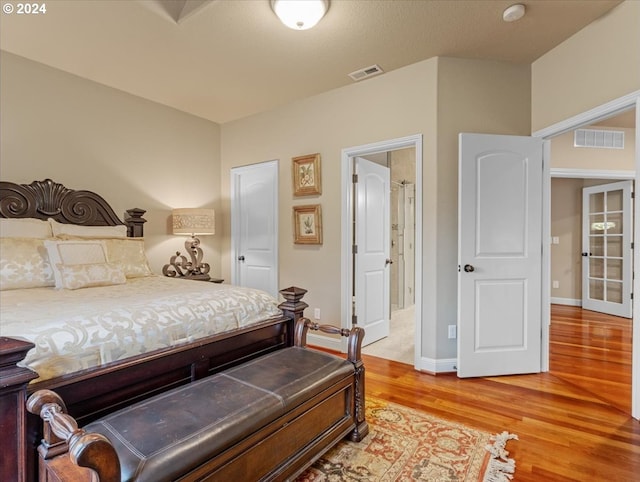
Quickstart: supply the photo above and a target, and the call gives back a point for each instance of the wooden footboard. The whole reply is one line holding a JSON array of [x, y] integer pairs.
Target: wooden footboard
[[95, 392]]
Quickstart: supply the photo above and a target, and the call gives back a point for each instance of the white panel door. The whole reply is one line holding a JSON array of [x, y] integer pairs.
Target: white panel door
[[254, 226], [606, 248], [500, 255], [373, 241]]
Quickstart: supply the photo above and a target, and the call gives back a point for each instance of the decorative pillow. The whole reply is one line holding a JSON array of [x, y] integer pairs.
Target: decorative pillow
[[61, 229], [24, 263], [129, 253], [75, 276], [74, 253], [25, 228]]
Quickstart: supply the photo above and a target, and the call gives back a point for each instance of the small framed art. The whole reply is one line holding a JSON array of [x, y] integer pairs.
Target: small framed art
[[306, 175], [307, 224]]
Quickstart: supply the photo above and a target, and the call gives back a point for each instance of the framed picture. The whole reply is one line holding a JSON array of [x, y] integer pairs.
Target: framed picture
[[307, 224], [306, 175]]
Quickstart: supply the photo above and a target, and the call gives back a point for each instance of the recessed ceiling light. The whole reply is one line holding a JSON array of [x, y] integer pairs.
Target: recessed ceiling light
[[513, 13]]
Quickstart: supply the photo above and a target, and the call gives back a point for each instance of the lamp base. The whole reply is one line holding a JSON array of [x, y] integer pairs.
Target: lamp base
[[180, 267]]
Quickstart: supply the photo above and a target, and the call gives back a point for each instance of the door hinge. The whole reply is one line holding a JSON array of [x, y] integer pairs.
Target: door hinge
[[354, 178], [354, 317], [631, 245], [354, 249], [631, 295], [633, 195]]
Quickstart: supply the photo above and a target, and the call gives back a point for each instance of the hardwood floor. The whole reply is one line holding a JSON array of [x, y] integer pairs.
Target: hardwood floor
[[592, 351], [573, 423]]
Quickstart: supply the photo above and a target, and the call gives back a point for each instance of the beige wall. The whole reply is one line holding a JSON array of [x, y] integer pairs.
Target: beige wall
[[397, 104], [566, 225], [133, 152], [462, 94], [596, 65], [473, 96], [564, 155]]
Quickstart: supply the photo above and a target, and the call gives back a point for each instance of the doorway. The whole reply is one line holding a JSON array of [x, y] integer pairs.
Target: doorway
[[399, 344], [572, 170], [603, 112], [404, 157]]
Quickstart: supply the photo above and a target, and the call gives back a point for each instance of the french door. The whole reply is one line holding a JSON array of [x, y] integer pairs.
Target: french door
[[606, 248]]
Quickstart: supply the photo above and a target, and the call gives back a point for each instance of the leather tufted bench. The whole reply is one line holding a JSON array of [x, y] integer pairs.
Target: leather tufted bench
[[268, 418]]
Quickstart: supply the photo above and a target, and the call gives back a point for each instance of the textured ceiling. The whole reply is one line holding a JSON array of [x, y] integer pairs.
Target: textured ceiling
[[227, 59]]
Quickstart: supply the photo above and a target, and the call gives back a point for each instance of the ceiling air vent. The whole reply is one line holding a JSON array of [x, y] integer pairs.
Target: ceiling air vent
[[602, 139], [366, 72]]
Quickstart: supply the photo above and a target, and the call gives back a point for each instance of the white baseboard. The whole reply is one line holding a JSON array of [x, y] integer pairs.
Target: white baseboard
[[566, 301], [434, 366], [327, 342]]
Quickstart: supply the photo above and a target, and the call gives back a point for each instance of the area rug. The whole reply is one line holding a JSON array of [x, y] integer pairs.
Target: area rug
[[405, 444]]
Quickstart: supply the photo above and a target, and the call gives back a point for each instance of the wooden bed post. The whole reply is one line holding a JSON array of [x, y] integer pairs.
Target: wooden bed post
[[135, 222], [13, 423], [90, 450], [292, 308]]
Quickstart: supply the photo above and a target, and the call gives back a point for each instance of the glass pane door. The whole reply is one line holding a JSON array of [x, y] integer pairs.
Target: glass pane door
[[606, 283]]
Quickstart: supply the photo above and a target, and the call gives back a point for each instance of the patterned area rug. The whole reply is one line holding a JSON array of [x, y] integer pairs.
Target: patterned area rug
[[405, 444]]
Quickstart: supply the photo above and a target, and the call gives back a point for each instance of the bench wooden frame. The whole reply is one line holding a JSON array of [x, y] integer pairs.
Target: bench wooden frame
[[250, 459]]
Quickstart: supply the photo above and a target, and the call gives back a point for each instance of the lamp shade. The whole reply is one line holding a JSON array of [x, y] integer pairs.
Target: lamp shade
[[194, 221], [300, 14]]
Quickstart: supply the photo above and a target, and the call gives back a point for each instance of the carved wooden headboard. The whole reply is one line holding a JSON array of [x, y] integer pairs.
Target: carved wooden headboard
[[49, 199]]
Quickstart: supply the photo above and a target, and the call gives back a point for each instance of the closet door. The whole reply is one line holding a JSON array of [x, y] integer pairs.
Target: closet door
[[254, 226]]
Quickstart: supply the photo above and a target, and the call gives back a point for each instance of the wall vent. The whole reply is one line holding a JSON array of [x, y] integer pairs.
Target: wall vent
[[366, 72], [603, 139]]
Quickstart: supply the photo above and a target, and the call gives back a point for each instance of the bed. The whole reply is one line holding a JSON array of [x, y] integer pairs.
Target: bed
[[97, 326]]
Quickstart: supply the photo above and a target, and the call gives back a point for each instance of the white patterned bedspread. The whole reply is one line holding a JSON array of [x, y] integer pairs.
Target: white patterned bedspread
[[78, 329]]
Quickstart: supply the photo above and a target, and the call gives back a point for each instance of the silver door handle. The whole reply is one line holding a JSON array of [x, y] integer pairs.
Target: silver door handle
[[388, 261], [240, 258], [469, 268]]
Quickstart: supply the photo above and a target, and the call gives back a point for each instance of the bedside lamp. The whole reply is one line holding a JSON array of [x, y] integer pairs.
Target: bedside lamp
[[194, 222]]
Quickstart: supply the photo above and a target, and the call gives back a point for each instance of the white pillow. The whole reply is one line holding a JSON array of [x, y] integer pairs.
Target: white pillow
[[61, 230], [24, 263], [63, 253], [25, 228], [127, 252], [130, 254], [75, 276]]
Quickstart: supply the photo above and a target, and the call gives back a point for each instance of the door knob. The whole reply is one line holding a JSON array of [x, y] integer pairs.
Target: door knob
[[469, 268], [388, 261], [586, 254], [240, 258]]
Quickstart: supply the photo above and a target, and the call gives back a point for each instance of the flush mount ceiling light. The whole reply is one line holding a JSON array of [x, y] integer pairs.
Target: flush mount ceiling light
[[513, 13], [300, 14]]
